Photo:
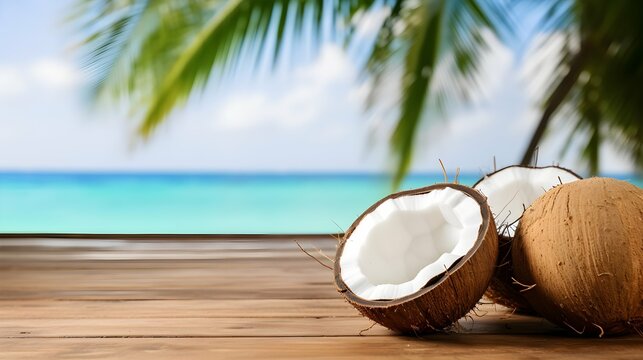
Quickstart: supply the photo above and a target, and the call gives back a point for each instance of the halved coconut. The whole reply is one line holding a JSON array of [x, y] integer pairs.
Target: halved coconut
[[419, 260], [509, 192]]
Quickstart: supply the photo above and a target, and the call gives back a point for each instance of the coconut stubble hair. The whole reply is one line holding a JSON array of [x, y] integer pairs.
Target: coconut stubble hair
[[510, 191]]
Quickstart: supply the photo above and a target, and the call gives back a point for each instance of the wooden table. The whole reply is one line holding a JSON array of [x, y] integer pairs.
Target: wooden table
[[229, 298]]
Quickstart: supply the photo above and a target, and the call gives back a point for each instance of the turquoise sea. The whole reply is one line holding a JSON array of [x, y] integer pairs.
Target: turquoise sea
[[192, 203]]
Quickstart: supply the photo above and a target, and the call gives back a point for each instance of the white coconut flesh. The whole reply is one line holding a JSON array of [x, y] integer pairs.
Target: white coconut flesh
[[406, 241], [511, 190]]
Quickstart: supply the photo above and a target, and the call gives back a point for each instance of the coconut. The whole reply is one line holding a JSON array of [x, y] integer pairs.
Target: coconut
[[579, 254], [418, 260], [509, 192]]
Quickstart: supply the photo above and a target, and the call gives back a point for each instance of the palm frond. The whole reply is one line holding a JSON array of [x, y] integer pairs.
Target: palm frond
[[114, 27], [421, 61], [437, 46], [156, 53], [603, 93], [128, 48]]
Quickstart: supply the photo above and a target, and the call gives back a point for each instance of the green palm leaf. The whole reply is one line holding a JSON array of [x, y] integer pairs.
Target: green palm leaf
[[599, 76], [438, 52], [157, 53]]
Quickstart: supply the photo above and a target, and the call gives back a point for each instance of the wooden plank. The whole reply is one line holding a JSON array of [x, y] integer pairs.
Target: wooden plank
[[210, 270], [441, 347], [166, 279], [94, 255], [187, 327], [41, 309], [65, 263], [18, 250], [257, 298], [233, 294], [146, 284], [233, 326], [221, 274], [486, 318]]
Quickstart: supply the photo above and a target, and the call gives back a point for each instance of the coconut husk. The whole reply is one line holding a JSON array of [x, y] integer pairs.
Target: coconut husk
[[579, 253]]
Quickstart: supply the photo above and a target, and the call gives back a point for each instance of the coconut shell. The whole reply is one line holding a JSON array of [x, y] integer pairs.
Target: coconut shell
[[578, 252], [501, 288], [445, 298]]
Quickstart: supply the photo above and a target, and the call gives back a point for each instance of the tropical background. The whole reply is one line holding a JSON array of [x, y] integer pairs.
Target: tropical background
[[223, 116]]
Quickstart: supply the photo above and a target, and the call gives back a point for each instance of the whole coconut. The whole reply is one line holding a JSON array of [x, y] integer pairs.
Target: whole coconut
[[578, 253]]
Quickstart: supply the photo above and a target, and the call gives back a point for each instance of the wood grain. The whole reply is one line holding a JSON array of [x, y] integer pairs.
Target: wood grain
[[438, 347], [105, 309], [233, 299]]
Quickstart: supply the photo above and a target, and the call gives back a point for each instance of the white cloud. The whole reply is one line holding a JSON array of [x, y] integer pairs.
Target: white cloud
[[296, 100], [470, 122], [241, 112], [48, 73], [540, 62], [331, 66], [369, 23], [54, 73], [496, 67], [12, 81], [614, 161]]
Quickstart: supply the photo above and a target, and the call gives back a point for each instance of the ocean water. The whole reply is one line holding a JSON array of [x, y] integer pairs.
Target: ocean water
[[192, 203]]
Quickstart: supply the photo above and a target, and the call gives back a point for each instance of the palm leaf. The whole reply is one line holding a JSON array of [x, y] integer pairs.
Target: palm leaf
[[156, 58], [438, 52], [156, 53], [421, 61], [603, 92]]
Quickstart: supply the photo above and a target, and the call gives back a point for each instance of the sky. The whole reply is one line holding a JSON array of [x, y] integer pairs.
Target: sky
[[306, 117]]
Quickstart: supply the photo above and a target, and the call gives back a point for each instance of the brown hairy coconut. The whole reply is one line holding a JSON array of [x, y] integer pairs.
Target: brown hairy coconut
[[509, 191], [579, 254], [418, 260]]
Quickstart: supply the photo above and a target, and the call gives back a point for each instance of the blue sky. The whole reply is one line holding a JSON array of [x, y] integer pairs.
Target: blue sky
[[306, 117]]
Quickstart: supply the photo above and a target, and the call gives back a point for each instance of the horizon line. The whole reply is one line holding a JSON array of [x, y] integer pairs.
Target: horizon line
[[257, 172]]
